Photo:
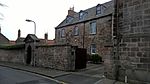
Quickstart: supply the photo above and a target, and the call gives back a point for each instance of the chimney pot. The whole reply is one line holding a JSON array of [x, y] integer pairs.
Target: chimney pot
[[46, 36], [71, 12], [19, 33]]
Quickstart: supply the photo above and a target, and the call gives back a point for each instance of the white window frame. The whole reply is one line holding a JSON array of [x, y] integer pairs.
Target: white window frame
[[81, 15], [93, 48], [62, 33], [76, 30], [93, 29]]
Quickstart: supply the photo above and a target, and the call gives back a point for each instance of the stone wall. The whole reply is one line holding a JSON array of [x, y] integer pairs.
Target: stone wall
[[12, 55], [131, 58], [135, 60], [135, 56], [60, 57]]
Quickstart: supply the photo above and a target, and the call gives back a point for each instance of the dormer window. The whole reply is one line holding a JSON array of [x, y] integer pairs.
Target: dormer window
[[81, 15], [98, 9], [69, 19]]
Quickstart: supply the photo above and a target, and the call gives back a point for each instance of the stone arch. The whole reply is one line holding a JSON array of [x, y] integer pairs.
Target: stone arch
[[29, 54]]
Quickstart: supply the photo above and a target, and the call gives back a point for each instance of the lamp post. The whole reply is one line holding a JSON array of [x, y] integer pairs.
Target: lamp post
[[34, 40], [34, 25]]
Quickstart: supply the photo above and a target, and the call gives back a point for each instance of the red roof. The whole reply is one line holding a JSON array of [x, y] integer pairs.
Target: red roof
[[12, 42], [50, 42]]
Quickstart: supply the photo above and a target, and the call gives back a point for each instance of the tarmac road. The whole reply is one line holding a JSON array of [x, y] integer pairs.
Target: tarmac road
[[12, 76]]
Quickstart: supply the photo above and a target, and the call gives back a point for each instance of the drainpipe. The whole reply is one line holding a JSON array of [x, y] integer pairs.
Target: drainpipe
[[118, 41], [112, 25], [34, 53]]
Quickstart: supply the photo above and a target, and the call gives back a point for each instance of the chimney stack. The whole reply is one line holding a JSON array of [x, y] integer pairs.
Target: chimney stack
[[46, 36], [19, 33], [71, 12]]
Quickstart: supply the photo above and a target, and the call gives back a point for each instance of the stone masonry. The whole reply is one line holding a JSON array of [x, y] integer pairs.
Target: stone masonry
[[32, 52], [12, 55], [56, 56], [84, 39], [130, 60]]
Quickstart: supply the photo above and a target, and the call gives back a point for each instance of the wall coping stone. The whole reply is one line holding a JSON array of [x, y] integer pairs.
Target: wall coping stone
[[10, 47], [55, 45]]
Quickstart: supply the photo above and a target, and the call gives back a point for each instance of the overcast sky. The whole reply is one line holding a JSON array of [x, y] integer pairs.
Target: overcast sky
[[46, 13]]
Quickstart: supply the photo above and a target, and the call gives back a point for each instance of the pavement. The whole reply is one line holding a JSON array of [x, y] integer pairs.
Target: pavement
[[93, 74]]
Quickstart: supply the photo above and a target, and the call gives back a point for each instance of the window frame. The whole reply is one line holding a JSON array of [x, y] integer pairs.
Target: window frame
[[81, 16], [92, 29], [62, 33], [93, 48], [58, 33], [76, 31], [99, 9], [69, 19]]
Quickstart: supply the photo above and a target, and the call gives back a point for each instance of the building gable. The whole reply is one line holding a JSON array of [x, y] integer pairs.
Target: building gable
[[31, 38], [3, 39]]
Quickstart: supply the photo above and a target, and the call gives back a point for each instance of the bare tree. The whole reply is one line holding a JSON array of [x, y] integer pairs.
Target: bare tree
[[1, 15]]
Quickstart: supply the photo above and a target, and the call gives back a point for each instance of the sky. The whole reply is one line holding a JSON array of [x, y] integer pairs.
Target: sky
[[46, 13]]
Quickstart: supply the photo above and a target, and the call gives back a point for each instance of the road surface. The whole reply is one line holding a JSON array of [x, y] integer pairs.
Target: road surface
[[12, 76]]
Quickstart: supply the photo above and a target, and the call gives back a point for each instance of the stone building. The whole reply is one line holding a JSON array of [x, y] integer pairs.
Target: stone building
[[129, 60], [3, 39], [90, 29]]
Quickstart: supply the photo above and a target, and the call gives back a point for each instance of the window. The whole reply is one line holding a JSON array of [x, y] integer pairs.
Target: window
[[69, 19], [98, 9], [93, 27], [93, 49], [76, 30], [58, 34], [81, 15], [62, 32]]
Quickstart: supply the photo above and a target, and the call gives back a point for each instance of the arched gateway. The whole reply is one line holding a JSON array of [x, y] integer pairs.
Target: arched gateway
[[29, 53]]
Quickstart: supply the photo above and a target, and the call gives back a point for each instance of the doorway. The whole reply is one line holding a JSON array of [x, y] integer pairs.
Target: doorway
[[29, 53], [81, 58]]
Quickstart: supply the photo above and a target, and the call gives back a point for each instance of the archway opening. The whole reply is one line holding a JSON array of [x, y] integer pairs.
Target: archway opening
[[29, 53]]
